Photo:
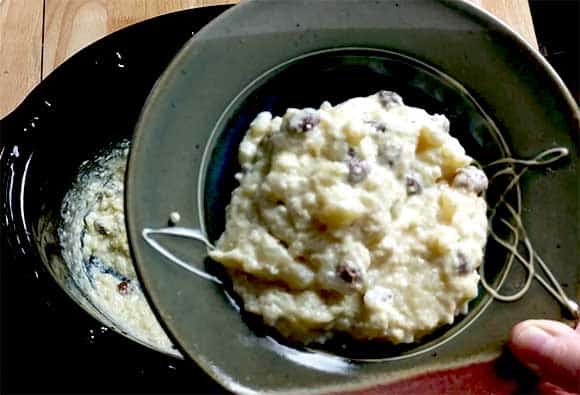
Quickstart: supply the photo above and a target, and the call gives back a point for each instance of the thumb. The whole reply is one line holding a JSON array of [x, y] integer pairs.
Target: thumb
[[551, 349]]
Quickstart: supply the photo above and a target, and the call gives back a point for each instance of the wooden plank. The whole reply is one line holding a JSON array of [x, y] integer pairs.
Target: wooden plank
[[71, 25], [20, 50], [516, 13]]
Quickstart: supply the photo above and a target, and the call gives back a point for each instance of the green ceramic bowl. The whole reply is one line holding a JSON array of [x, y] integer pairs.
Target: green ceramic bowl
[[448, 57]]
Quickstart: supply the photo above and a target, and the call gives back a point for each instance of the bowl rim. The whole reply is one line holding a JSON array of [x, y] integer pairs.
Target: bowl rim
[[472, 11]]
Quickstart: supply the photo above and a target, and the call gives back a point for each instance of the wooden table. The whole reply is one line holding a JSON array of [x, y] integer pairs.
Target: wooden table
[[38, 35]]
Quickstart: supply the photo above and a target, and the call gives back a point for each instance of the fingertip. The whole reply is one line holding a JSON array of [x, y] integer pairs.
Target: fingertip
[[553, 328], [528, 340], [550, 349]]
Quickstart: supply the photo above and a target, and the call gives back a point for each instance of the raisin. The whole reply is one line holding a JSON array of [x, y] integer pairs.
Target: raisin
[[283, 243], [472, 179], [303, 121], [378, 126], [389, 99], [463, 266], [351, 152], [348, 273], [123, 287], [358, 170], [413, 186], [100, 228], [93, 260], [389, 154]]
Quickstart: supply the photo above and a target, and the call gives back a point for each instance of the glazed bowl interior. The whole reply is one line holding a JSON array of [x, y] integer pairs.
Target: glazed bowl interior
[[337, 75], [40, 170], [85, 107], [272, 55], [48, 174], [52, 176]]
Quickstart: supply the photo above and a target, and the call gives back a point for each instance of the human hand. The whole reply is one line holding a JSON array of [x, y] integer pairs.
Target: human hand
[[552, 350]]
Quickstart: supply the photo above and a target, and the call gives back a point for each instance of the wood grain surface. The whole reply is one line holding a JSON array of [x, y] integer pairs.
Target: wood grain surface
[[20, 50], [73, 24], [516, 13], [38, 35]]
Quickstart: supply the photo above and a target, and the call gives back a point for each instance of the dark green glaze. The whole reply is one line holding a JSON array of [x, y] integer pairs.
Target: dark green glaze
[[214, 84]]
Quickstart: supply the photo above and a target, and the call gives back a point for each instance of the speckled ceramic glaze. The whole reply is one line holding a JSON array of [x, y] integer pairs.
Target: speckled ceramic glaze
[[446, 57]]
